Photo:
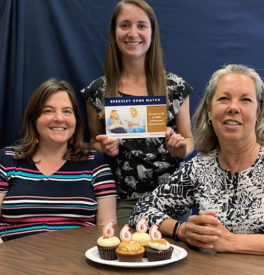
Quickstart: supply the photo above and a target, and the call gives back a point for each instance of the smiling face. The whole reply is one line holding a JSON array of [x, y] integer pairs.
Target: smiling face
[[234, 108], [56, 123], [133, 32]]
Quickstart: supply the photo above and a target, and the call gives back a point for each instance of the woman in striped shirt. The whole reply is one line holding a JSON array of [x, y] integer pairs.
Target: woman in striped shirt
[[50, 180]]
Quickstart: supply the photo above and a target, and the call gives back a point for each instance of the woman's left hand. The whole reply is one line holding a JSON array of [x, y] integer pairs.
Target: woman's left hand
[[225, 241], [176, 144]]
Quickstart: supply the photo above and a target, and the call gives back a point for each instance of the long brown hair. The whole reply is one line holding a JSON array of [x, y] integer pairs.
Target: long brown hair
[[28, 145], [154, 67]]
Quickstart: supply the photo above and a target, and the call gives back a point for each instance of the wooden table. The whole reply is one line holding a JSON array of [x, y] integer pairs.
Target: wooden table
[[62, 252]]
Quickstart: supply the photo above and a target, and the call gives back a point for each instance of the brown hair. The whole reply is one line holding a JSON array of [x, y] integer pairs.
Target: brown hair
[[28, 145], [154, 67]]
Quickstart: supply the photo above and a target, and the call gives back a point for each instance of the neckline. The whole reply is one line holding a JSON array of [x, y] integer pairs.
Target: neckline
[[242, 171], [123, 94], [53, 173]]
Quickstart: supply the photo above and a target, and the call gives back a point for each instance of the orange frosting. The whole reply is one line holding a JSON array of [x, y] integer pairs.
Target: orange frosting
[[130, 248]]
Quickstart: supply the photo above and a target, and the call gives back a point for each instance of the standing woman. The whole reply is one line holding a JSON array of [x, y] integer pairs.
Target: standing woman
[[51, 180], [134, 67]]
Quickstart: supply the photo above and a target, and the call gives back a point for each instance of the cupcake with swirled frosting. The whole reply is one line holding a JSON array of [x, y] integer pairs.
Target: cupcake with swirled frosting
[[158, 249], [130, 251], [108, 243], [141, 236]]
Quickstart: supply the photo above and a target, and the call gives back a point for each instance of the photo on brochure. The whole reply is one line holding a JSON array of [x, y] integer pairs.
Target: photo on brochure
[[135, 117]]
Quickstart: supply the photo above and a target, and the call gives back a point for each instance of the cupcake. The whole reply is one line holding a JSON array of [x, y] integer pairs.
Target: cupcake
[[141, 236], [158, 249], [129, 250], [108, 243]]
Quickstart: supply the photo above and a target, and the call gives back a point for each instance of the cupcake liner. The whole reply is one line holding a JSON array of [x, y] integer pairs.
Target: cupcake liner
[[107, 253], [158, 255], [130, 257]]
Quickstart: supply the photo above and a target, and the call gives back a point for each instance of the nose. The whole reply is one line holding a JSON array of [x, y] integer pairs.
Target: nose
[[233, 108], [58, 116], [132, 31]]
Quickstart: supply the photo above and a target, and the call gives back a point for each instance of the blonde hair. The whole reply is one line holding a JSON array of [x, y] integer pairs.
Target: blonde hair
[[204, 136], [112, 114]]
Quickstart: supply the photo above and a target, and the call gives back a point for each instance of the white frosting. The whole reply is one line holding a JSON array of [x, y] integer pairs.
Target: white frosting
[[159, 246]]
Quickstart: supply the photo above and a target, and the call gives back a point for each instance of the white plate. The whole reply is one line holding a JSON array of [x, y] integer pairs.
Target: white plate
[[177, 254]]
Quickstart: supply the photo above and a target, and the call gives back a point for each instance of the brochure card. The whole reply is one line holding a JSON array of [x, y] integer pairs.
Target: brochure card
[[135, 117]]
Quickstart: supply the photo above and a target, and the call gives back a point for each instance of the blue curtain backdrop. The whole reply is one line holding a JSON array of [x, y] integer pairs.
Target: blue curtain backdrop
[[67, 39]]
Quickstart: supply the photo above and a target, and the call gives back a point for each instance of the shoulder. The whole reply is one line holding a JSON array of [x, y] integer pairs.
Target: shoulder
[[7, 155], [94, 154], [260, 158], [7, 151], [261, 151], [94, 87], [200, 164], [201, 160], [176, 84], [96, 159], [206, 158]]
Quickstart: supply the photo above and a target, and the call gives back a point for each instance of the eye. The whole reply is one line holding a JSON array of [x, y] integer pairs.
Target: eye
[[142, 26], [47, 110], [246, 99], [124, 25], [68, 111], [223, 98]]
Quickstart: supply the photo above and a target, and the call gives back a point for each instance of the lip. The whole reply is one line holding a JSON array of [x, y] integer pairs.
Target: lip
[[231, 122], [133, 43], [57, 129]]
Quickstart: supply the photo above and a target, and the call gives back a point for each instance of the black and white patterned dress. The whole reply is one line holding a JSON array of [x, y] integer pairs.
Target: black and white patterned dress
[[142, 164], [238, 200]]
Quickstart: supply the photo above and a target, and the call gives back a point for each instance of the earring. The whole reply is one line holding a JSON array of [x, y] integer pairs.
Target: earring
[[209, 121]]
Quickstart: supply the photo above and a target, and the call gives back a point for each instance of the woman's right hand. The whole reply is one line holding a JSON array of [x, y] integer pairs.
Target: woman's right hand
[[200, 231], [1, 241], [108, 145]]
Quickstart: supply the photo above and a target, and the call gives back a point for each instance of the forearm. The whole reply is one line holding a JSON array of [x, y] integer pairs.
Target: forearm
[[166, 228], [2, 196], [246, 244], [190, 146], [145, 210], [106, 210]]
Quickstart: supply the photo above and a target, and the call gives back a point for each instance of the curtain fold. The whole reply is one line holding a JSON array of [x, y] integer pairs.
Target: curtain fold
[[67, 39]]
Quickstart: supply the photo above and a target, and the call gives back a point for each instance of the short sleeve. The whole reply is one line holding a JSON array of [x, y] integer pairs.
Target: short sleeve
[[178, 91], [6, 165], [94, 93], [103, 179], [178, 88]]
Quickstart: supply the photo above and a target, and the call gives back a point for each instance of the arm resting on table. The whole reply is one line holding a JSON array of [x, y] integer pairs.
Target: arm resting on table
[[106, 210]]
